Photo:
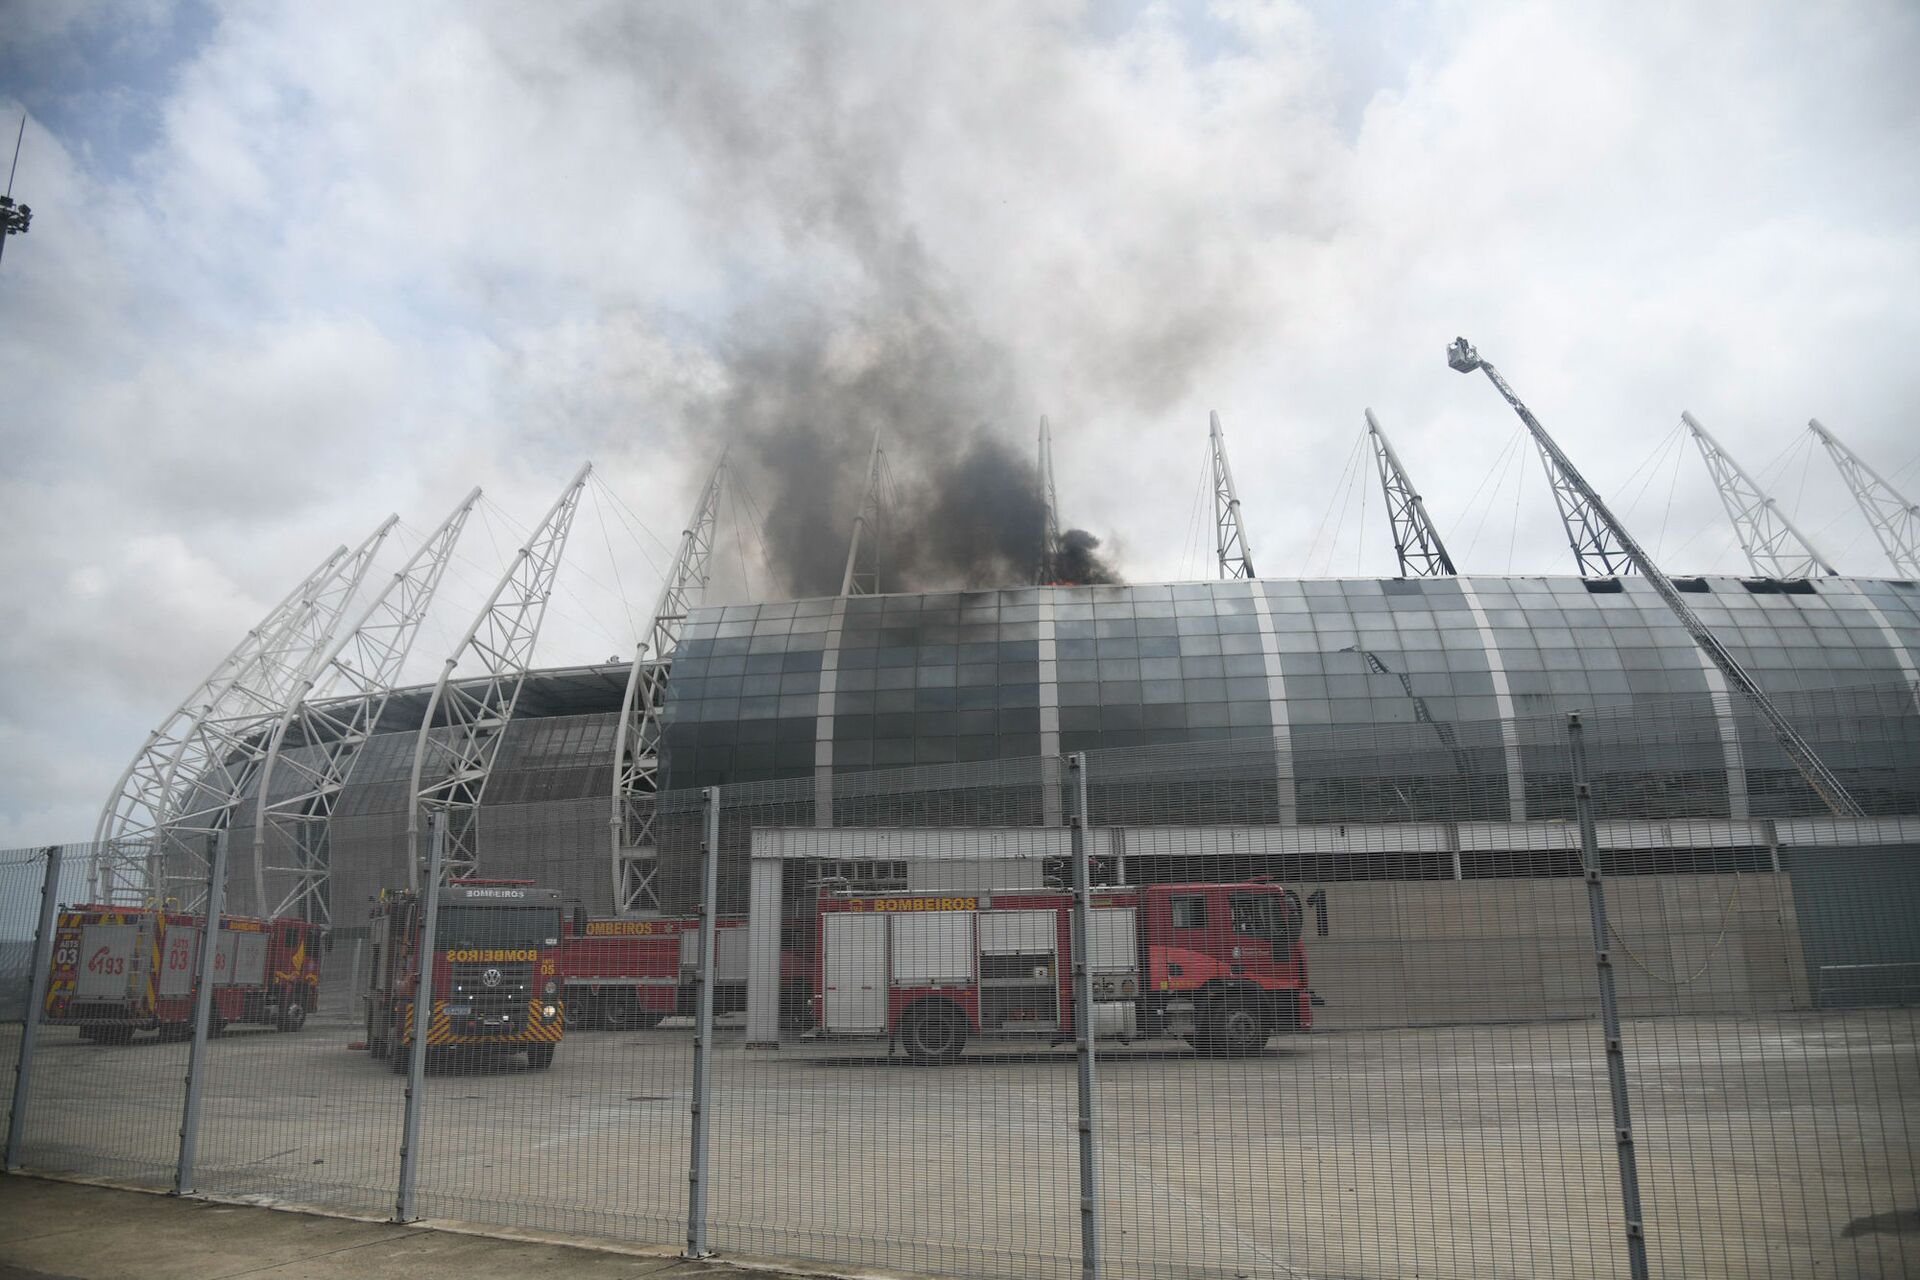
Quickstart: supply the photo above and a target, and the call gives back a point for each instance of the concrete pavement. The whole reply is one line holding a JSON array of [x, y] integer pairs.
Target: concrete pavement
[[71, 1231]]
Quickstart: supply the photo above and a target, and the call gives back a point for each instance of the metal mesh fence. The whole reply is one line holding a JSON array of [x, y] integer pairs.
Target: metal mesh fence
[[1425, 1000]]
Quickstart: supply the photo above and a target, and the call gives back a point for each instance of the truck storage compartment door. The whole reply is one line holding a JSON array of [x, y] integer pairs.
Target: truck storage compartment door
[[1019, 974], [249, 958], [729, 954], [177, 959], [854, 957], [1115, 953], [109, 961], [932, 948]]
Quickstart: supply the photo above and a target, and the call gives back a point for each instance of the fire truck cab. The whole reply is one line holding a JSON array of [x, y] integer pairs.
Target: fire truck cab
[[1219, 965], [496, 971]]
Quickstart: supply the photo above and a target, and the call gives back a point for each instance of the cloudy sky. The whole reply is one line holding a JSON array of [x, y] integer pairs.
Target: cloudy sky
[[295, 267]]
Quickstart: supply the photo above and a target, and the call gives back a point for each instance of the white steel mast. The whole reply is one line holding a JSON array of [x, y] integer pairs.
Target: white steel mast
[[1415, 540], [367, 660], [636, 748], [1825, 783], [1774, 546], [1895, 520], [452, 761], [216, 766], [857, 581], [1230, 530], [122, 869], [1049, 565]]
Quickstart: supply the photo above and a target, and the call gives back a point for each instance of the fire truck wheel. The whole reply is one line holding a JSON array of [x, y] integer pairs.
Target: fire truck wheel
[[398, 1056], [539, 1056], [1238, 1028], [293, 1016], [933, 1033]]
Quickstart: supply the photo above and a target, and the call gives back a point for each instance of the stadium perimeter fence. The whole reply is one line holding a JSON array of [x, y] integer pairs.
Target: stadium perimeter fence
[[1571, 1036]]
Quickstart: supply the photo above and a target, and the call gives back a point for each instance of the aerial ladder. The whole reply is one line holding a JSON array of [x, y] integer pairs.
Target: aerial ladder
[[1825, 783], [1895, 520], [1415, 540]]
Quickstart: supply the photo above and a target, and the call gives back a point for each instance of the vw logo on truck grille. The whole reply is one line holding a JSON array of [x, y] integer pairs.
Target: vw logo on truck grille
[[490, 979]]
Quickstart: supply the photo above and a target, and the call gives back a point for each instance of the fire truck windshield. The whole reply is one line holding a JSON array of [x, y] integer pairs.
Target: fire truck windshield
[[519, 927], [1267, 916]]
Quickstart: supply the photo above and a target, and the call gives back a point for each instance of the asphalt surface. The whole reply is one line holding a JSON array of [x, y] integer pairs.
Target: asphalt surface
[[1776, 1145]]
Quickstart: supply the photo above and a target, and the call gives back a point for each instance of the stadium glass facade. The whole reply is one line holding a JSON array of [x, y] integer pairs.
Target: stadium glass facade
[[1377, 701], [1478, 667]]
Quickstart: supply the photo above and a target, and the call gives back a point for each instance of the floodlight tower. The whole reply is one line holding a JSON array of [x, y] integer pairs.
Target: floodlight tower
[[1774, 546], [1895, 520], [1230, 544], [1415, 540], [636, 748], [1050, 511], [1825, 783]]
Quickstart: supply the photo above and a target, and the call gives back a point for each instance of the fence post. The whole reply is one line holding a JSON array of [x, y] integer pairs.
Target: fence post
[[36, 1002], [703, 1029], [1609, 1008], [1083, 1018], [403, 1209], [205, 979]]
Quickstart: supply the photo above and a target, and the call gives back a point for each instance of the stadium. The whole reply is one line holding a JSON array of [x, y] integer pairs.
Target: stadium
[[1410, 728]]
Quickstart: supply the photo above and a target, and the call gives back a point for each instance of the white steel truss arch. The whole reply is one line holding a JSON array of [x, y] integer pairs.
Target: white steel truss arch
[[453, 760], [862, 577], [1773, 545], [1049, 565], [636, 748], [1232, 549], [1415, 539], [1895, 520], [367, 660], [216, 766], [123, 869]]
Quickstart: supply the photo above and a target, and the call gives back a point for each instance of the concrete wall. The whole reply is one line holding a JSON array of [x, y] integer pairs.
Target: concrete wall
[[1403, 953]]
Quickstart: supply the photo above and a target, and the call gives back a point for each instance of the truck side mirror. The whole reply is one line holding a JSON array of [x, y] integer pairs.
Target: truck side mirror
[[579, 919]]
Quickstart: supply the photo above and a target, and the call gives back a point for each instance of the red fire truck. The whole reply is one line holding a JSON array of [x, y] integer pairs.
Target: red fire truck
[[633, 973], [1220, 965], [496, 971], [118, 970]]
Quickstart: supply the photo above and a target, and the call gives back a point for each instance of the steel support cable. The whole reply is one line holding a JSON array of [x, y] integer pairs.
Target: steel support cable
[[758, 513], [739, 543], [1334, 499], [621, 505], [595, 484], [627, 526], [1505, 462]]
